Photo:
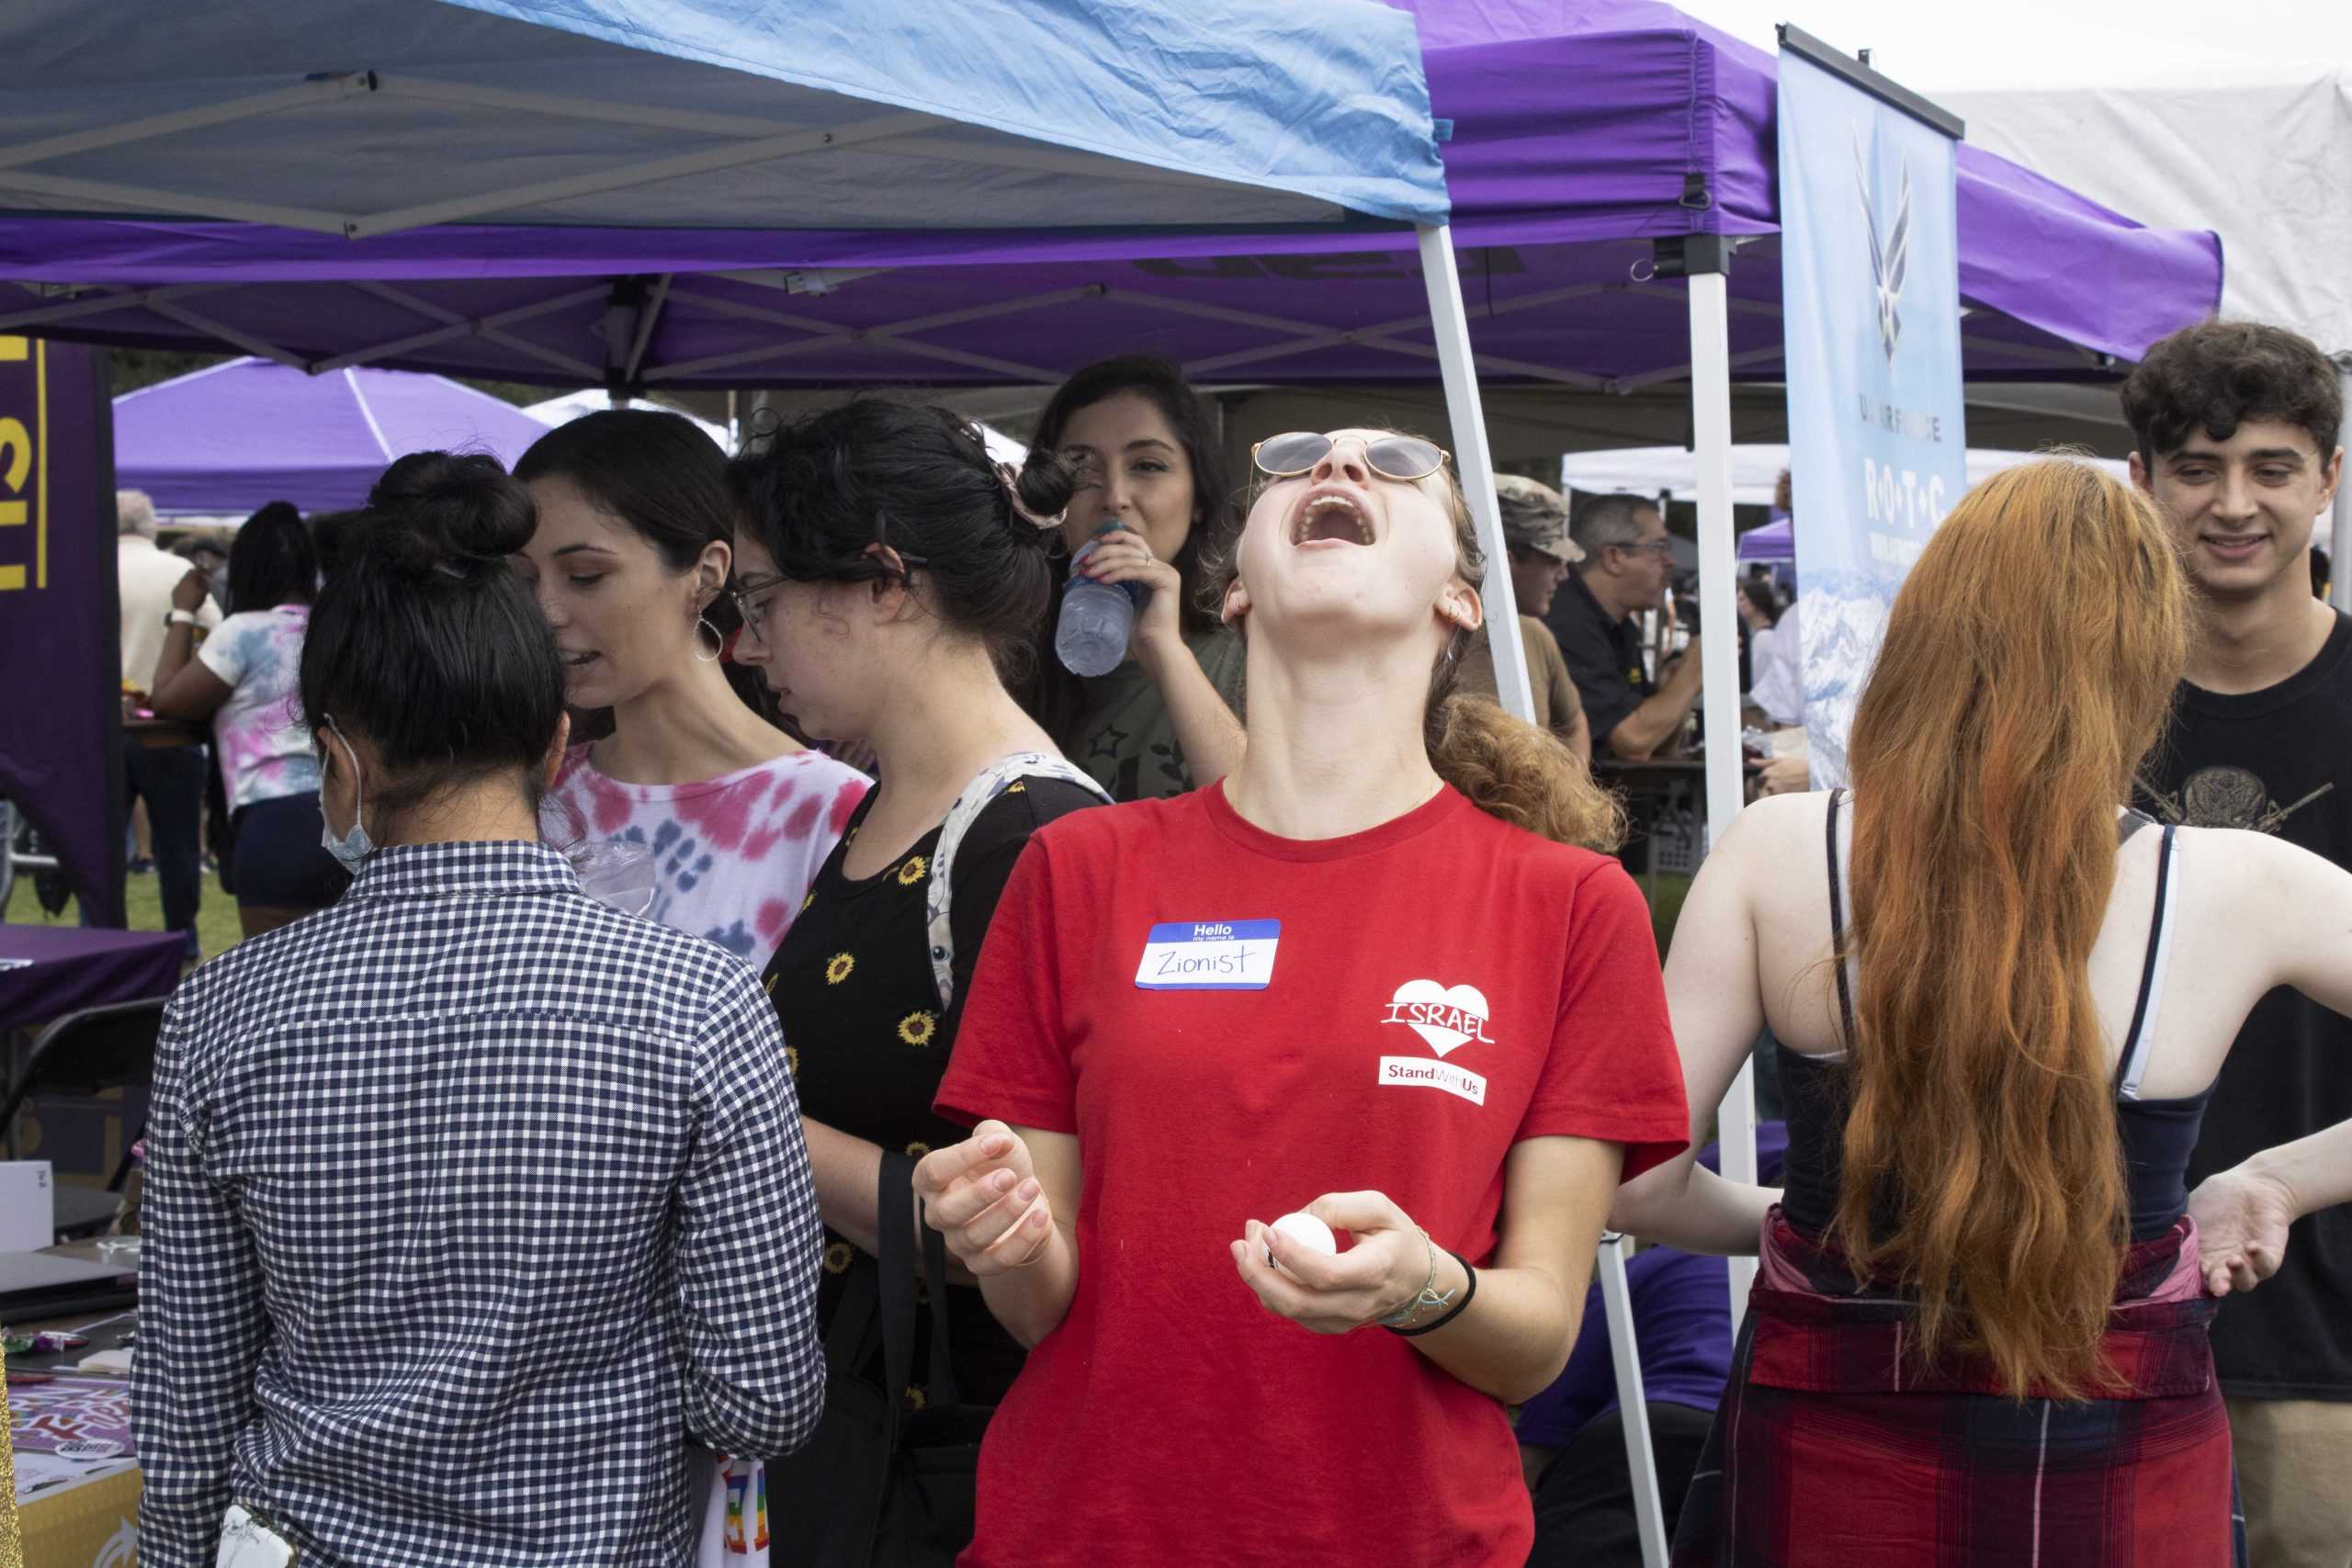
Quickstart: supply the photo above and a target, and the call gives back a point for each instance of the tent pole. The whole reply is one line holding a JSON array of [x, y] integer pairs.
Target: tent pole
[[1452, 325], [1711, 427], [1641, 1463], [1451, 322], [2340, 566]]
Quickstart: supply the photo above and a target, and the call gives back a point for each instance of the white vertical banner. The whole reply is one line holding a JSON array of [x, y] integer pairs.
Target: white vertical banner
[[1869, 277]]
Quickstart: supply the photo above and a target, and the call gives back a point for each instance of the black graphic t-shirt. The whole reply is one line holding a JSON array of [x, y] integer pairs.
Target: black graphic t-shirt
[[864, 1034], [2278, 761]]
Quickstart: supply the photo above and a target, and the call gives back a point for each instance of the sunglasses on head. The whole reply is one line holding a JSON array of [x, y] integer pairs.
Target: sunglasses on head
[[1390, 456]]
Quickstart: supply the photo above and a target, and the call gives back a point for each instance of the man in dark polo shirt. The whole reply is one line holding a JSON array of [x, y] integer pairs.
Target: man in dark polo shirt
[[1627, 561]]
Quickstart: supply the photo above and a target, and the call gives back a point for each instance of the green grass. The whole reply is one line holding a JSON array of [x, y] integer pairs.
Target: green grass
[[216, 916], [1666, 892]]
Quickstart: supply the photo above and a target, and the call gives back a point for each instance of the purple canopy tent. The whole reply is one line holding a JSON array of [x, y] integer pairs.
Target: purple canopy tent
[[1773, 541], [1607, 156], [1583, 134], [226, 440]]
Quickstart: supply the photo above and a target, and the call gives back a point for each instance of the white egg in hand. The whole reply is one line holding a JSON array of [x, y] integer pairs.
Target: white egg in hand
[[1307, 1230]]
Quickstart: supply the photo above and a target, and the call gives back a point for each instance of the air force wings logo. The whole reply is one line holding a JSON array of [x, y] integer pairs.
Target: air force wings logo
[[1890, 249]]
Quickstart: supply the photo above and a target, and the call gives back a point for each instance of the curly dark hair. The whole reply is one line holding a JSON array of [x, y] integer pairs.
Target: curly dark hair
[[2218, 375]]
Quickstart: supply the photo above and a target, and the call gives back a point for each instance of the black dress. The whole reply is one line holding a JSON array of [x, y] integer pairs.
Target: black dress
[[864, 1034]]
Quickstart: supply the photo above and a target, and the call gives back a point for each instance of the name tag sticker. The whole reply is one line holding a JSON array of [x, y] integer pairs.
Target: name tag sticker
[[1209, 955]]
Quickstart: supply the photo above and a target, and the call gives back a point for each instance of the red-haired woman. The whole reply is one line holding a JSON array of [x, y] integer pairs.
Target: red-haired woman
[[1368, 975], [1978, 1332]]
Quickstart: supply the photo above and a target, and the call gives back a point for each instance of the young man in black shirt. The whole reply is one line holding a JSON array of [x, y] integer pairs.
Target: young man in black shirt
[[2236, 429], [1628, 561]]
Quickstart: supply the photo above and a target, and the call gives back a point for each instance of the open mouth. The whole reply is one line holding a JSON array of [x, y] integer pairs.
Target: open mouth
[[1330, 518]]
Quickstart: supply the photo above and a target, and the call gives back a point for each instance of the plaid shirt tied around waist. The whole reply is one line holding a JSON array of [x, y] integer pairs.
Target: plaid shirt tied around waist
[[469, 1202], [1833, 1445]]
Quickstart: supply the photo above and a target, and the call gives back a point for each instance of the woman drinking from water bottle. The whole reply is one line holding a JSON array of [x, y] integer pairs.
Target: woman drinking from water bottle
[[1152, 504]]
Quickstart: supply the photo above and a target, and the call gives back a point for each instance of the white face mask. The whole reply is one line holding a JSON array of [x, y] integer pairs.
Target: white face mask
[[355, 847]]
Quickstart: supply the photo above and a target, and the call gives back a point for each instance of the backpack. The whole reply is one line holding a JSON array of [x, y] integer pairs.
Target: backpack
[[977, 796]]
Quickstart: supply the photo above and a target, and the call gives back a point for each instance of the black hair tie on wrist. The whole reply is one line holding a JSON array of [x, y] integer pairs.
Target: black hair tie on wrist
[[1469, 1293]]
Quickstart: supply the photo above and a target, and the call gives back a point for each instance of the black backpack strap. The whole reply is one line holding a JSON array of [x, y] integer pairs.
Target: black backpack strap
[[895, 1270], [940, 1392]]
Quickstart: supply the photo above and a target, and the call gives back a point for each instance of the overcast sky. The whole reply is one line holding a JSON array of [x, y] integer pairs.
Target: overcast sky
[[2042, 44]]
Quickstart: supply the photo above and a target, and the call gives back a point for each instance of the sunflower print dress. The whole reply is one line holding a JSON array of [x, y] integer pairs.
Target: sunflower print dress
[[853, 989]]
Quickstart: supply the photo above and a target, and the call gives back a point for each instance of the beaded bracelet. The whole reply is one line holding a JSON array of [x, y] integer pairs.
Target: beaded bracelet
[[1469, 1293]]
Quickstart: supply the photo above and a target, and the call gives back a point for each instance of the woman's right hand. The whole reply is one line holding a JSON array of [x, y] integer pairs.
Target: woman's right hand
[[983, 1196]]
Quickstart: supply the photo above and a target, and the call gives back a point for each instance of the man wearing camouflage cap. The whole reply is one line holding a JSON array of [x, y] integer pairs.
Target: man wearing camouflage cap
[[1535, 530]]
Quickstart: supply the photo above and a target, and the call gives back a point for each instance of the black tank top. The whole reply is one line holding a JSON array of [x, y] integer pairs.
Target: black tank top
[[2157, 1134]]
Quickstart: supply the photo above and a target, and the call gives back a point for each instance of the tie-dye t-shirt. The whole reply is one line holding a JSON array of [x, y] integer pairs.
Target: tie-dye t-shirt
[[264, 749], [733, 857]]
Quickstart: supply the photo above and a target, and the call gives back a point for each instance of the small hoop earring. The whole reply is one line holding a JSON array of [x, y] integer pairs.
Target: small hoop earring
[[718, 641]]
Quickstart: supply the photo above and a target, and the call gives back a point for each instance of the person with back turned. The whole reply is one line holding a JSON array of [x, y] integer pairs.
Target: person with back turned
[[470, 1201]]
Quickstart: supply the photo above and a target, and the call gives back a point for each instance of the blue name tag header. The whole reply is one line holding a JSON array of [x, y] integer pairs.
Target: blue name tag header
[[1209, 955], [1217, 930]]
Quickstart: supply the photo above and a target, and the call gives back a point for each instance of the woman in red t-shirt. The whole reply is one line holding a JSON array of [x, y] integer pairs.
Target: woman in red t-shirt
[[1348, 978]]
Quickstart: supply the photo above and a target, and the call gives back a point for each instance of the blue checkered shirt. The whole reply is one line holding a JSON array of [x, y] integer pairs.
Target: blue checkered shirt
[[468, 1203]]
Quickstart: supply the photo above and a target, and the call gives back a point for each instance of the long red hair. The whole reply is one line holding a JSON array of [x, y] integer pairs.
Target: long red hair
[[2028, 664]]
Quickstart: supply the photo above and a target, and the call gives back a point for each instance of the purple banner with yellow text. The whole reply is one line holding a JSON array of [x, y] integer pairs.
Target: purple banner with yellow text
[[60, 653]]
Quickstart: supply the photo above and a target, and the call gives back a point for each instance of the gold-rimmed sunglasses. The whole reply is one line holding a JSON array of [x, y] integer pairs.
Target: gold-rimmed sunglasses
[[1390, 456]]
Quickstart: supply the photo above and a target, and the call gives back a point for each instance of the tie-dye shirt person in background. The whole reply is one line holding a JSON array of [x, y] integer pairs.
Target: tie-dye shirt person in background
[[243, 680], [629, 561]]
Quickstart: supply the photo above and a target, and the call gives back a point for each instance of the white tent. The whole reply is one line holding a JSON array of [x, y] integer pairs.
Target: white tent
[[1673, 471], [2263, 161], [573, 405]]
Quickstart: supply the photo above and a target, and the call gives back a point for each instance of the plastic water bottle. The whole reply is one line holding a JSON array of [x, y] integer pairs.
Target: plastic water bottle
[[1090, 638]]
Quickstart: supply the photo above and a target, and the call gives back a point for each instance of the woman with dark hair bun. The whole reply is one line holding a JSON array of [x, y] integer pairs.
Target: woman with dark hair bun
[[243, 680], [1154, 501], [888, 570], [470, 1192], [629, 560]]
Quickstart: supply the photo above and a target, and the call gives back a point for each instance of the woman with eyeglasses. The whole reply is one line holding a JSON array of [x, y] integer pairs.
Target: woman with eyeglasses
[[633, 547], [888, 570], [1378, 982], [1152, 506]]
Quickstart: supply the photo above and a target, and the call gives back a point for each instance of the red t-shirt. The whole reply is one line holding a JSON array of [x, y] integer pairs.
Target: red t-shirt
[[1441, 987]]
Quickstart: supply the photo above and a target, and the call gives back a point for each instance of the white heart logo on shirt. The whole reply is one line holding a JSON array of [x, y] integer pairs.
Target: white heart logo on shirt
[[1446, 1017]]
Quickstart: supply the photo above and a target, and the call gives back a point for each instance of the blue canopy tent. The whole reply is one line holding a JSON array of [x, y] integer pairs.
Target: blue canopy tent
[[364, 118]]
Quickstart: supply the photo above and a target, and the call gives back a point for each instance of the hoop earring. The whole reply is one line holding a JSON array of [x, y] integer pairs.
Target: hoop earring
[[718, 640]]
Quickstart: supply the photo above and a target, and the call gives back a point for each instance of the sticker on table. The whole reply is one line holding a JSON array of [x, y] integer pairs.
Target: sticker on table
[[1209, 955], [88, 1448], [47, 1417]]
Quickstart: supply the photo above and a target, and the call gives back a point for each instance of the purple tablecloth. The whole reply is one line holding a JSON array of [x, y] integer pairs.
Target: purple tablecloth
[[73, 967]]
